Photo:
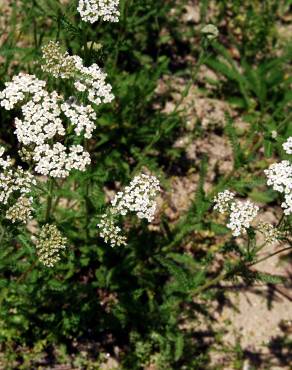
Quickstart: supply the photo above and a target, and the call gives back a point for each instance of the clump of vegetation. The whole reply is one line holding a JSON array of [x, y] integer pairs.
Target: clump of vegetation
[[92, 267]]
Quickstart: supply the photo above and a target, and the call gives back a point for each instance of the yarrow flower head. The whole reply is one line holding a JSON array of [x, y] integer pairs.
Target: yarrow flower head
[[274, 134], [13, 180], [110, 232], [287, 146], [41, 121], [4, 163], [91, 80], [21, 211], [83, 118], [49, 245], [56, 161], [241, 213], [223, 201], [21, 86], [279, 176], [93, 10], [241, 216], [139, 197]]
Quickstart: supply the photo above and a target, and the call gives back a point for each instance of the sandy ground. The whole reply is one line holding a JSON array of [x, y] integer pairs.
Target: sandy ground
[[257, 317]]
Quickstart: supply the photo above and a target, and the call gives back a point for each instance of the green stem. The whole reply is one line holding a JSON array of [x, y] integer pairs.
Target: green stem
[[223, 274], [211, 282], [22, 276], [87, 210], [269, 256], [201, 60], [281, 220], [49, 200]]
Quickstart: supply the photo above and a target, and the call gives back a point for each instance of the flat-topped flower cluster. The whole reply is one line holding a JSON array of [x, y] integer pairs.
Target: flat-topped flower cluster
[[15, 188], [279, 176], [90, 80], [139, 197], [42, 126], [241, 213], [52, 130], [93, 10]]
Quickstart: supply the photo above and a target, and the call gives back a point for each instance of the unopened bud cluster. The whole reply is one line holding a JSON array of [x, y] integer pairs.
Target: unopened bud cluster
[[210, 31], [93, 10], [90, 80], [56, 62], [110, 232], [270, 232], [21, 211], [49, 245]]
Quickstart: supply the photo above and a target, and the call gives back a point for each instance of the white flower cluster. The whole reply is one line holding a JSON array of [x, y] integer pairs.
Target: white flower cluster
[[93, 80], [56, 162], [110, 232], [4, 163], [93, 10], [279, 176], [19, 88], [138, 197], [41, 121], [288, 146], [13, 180], [241, 214], [21, 211], [223, 201], [49, 244], [83, 118]]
